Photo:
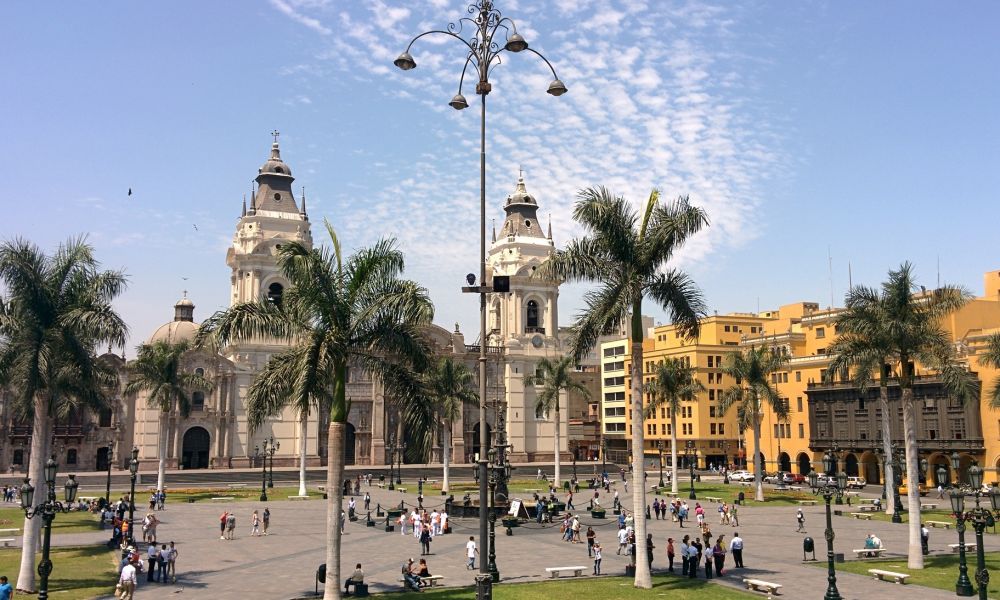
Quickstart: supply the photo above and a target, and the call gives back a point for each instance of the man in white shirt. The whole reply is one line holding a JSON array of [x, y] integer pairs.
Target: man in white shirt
[[444, 521], [622, 540], [471, 552], [127, 581], [736, 547], [151, 557]]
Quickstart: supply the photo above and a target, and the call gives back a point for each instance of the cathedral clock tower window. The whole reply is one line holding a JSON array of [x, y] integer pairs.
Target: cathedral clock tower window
[[275, 291]]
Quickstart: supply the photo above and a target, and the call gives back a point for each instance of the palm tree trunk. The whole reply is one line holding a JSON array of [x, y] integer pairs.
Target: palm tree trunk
[[446, 455], [161, 468], [40, 432], [758, 466], [643, 579], [303, 433], [335, 498], [555, 436], [673, 451], [915, 554], [883, 399]]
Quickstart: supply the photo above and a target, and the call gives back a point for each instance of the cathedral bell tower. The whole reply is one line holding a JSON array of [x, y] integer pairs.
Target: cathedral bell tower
[[273, 218], [525, 322]]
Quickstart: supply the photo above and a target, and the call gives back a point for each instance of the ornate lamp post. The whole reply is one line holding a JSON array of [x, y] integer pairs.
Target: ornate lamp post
[[659, 450], [483, 49], [48, 510], [604, 456], [692, 456], [828, 489], [400, 448], [576, 448], [898, 464], [133, 469], [392, 460], [270, 475], [725, 472], [107, 489], [963, 587]]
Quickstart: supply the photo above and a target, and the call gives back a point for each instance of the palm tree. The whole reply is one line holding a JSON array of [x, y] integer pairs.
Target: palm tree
[[449, 387], [674, 383], [751, 393], [56, 311], [337, 312], [159, 370], [554, 377], [890, 330], [627, 253]]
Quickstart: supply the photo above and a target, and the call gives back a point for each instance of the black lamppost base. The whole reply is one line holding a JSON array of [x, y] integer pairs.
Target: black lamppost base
[[895, 517], [263, 497]]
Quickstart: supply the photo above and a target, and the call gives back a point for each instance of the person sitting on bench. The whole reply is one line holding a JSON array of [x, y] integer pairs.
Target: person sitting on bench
[[422, 571], [355, 579], [410, 578]]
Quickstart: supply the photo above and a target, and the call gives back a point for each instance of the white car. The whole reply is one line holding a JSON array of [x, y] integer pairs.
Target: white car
[[741, 476]]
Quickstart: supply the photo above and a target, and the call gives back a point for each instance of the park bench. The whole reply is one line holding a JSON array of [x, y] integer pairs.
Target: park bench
[[866, 500], [869, 552], [937, 524], [298, 497], [807, 502], [968, 547], [223, 499], [7, 532], [929, 506], [852, 493], [868, 508], [882, 575], [862, 515], [7, 541], [795, 488], [380, 484], [431, 580], [781, 487], [715, 499], [554, 571], [401, 489], [746, 483], [234, 486], [762, 586]]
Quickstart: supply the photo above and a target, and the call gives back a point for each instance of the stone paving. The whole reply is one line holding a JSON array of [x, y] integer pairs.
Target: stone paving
[[283, 564]]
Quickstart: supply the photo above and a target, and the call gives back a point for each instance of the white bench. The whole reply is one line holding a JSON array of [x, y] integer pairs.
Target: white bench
[[234, 486], [6, 532], [869, 552], [223, 499], [866, 500], [430, 580], [808, 502], [715, 499], [852, 493], [968, 547], [881, 575], [380, 484], [868, 508], [401, 489], [7, 541], [929, 506], [554, 571], [298, 497], [762, 586], [862, 515], [937, 524]]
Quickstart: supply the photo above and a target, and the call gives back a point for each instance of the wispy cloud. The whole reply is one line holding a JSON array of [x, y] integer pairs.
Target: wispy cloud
[[294, 13]]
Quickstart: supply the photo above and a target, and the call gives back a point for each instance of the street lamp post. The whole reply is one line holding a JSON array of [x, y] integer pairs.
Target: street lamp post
[[692, 456], [107, 489], [48, 510], [604, 457], [270, 475], [659, 451], [392, 460], [483, 53], [576, 448], [963, 587], [133, 469], [400, 448], [898, 463], [828, 490], [725, 472], [269, 448]]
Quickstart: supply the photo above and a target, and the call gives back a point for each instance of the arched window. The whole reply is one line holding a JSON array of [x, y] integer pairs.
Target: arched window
[[71, 456], [197, 401], [18, 457], [532, 320], [274, 293], [199, 372], [540, 413]]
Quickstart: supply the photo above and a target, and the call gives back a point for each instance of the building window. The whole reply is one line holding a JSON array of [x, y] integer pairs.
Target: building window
[[197, 401], [802, 431], [104, 417], [663, 429], [711, 411], [609, 381], [722, 429], [274, 293], [711, 377], [820, 332], [614, 396], [718, 378], [727, 328], [18, 457], [670, 429], [776, 434], [711, 362], [532, 314], [711, 429], [71, 456], [199, 372], [614, 427], [798, 403]]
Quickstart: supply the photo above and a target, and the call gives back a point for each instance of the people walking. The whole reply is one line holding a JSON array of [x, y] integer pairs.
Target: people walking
[[231, 526], [622, 540], [591, 538], [670, 554], [709, 561], [266, 519], [254, 524], [719, 554], [470, 553], [152, 554], [801, 520], [127, 581], [425, 540], [694, 554], [222, 524], [597, 558], [649, 550], [172, 562], [736, 546]]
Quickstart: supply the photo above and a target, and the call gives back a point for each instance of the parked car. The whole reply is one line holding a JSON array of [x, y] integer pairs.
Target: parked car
[[856, 482], [795, 478], [741, 476], [775, 478]]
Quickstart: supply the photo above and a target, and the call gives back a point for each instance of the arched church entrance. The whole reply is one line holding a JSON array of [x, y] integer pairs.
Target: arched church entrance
[[784, 462], [349, 444], [851, 465], [102, 459], [195, 450]]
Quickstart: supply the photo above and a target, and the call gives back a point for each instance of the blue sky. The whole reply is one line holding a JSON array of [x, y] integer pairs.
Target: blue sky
[[863, 130]]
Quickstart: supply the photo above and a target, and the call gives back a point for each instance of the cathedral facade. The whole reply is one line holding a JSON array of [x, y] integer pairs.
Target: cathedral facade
[[523, 326]]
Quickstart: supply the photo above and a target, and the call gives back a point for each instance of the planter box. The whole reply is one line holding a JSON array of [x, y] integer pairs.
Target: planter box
[[597, 514], [510, 522]]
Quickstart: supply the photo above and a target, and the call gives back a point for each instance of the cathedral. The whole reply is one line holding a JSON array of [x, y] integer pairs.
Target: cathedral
[[523, 327]]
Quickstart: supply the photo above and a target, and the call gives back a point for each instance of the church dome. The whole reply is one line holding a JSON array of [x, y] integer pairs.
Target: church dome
[[181, 329], [274, 165]]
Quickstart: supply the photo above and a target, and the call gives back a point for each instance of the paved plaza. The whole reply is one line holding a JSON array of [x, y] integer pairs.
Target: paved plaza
[[283, 564]]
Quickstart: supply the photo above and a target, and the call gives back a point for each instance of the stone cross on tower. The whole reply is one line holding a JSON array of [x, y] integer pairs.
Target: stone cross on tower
[[275, 133]]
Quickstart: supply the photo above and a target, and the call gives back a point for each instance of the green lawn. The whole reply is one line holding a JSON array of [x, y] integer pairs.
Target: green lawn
[[77, 573], [73, 522], [606, 588], [927, 515], [940, 571]]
